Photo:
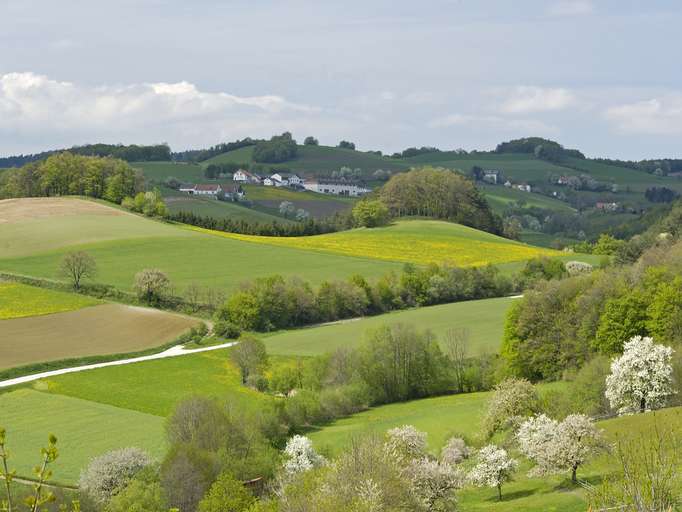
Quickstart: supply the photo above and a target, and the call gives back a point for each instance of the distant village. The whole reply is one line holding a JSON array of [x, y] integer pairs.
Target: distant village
[[332, 186]]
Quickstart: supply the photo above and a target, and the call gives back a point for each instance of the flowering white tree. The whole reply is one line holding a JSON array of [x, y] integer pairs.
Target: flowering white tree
[[493, 468], [642, 378], [558, 446], [301, 456], [434, 484], [454, 451], [406, 442], [107, 474]]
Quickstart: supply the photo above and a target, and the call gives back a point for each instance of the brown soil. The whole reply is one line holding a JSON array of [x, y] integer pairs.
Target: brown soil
[[97, 330]]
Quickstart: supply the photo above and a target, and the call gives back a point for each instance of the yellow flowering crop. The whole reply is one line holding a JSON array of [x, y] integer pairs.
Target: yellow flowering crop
[[19, 300]]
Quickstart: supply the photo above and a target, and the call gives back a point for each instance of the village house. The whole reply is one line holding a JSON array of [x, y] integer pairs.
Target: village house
[[287, 178], [246, 177], [491, 176], [523, 187], [210, 190], [606, 207], [337, 187]]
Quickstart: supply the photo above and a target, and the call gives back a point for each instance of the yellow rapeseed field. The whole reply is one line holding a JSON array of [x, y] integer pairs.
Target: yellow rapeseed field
[[414, 241], [19, 300]]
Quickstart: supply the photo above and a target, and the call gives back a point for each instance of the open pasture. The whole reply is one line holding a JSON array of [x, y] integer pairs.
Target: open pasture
[[83, 429], [19, 300], [34, 225], [415, 241], [98, 330], [154, 387], [483, 319]]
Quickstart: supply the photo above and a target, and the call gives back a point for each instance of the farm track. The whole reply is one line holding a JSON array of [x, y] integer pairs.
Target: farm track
[[176, 351]]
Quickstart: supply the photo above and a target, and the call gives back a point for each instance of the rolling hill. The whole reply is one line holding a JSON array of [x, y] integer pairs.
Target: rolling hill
[[43, 230]]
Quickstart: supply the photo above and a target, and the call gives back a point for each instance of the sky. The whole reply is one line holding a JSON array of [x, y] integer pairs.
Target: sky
[[599, 75]]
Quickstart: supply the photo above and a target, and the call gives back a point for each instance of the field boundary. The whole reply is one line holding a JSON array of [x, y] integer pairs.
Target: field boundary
[[174, 351]]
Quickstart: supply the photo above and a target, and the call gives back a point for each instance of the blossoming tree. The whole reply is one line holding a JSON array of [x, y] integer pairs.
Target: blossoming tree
[[559, 446], [494, 467], [642, 378], [301, 456]]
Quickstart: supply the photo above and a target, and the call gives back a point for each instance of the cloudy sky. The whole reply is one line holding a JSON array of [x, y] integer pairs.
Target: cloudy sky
[[600, 75]]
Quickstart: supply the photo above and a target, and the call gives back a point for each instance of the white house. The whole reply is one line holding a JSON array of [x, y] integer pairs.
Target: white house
[[336, 187], [491, 176], [272, 182], [287, 178], [524, 187], [245, 177], [188, 189], [210, 189]]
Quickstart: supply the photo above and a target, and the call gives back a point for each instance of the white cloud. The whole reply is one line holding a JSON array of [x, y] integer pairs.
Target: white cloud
[[571, 8], [525, 99], [526, 126], [32, 104], [655, 116]]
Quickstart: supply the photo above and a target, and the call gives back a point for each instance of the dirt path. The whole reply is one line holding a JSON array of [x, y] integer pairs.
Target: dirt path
[[178, 350]]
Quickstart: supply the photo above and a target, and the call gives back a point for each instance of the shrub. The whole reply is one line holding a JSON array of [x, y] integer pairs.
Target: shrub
[[227, 494], [107, 474]]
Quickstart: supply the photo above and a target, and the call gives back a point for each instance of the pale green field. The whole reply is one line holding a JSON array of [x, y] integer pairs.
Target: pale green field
[[484, 319]]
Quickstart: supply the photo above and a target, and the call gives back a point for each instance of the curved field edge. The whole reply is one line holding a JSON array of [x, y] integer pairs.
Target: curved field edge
[[407, 241], [106, 332], [19, 300]]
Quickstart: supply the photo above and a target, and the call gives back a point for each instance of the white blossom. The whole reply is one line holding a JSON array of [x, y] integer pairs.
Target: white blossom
[[575, 268], [558, 446], [107, 474], [434, 484], [300, 455], [454, 451], [642, 378], [493, 468], [511, 401], [406, 442]]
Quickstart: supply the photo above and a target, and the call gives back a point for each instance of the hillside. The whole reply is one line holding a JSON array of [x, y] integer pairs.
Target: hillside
[[412, 241], [319, 160], [43, 230]]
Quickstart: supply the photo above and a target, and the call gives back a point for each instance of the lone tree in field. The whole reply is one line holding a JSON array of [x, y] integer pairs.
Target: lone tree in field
[[250, 357], [559, 446], [642, 378], [77, 266], [494, 468], [151, 285]]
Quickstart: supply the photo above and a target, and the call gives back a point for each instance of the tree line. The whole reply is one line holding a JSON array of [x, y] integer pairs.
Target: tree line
[[129, 153], [279, 148], [541, 148], [71, 174], [272, 303], [308, 227]]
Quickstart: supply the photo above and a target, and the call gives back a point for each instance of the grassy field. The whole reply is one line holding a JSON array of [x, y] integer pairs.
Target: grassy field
[[34, 225], [154, 387], [318, 205], [499, 197], [319, 160], [484, 320], [20, 300], [160, 171], [413, 241], [84, 430], [98, 330]]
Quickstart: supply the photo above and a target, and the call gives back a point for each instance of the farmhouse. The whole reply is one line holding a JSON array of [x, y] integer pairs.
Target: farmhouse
[[246, 177], [523, 187], [339, 187], [287, 178], [606, 207], [271, 182], [491, 176], [210, 190]]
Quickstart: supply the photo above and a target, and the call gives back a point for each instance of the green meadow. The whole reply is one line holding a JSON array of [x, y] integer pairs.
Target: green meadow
[[155, 387], [84, 429], [483, 319], [19, 300]]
